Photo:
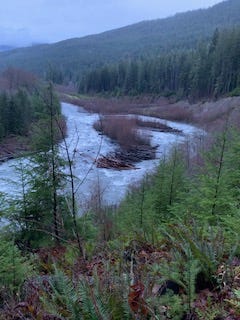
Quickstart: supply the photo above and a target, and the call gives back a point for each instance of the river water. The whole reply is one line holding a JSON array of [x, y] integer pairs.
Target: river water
[[85, 145]]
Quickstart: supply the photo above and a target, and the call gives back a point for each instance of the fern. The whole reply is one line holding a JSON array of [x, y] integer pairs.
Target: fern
[[63, 300], [190, 273], [182, 270], [205, 243], [235, 301], [93, 305], [87, 305]]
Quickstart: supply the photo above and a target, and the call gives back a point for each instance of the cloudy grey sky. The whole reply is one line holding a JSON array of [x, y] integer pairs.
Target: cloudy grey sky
[[23, 22]]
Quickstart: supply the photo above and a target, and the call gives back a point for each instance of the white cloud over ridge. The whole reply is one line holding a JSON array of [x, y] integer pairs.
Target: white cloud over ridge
[[27, 21]]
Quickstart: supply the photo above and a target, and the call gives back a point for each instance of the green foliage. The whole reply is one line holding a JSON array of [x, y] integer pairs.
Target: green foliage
[[235, 301], [168, 182], [191, 221], [32, 213], [168, 306], [212, 312], [202, 243], [208, 70], [47, 118], [64, 301], [14, 268], [212, 196], [21, 108], [183, 270], [235, 92], [16, 113], [39, 214], [199, 226], [87, 227], [75, 301], [148, 206], [132, 215]]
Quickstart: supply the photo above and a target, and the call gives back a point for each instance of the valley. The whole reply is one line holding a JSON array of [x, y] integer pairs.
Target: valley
[[120, 162]]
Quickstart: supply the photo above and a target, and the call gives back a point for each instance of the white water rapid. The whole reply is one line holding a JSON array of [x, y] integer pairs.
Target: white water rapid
[[86, 145]]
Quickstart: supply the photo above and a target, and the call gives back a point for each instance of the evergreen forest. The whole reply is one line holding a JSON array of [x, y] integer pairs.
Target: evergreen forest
[[68, 60], [210, 70]]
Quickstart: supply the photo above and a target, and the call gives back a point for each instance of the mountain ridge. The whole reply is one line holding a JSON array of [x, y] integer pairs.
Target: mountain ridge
[[4, 47], [178, 32]]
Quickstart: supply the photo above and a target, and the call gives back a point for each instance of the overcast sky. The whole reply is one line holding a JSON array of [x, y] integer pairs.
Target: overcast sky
[[23, 22]]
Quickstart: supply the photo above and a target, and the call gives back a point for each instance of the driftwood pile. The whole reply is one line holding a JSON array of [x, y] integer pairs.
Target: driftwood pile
[[113, 163], [125, 159], [11, 147], [6, 153]]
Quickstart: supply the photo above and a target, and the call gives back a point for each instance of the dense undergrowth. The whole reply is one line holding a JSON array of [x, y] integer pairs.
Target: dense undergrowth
[[169, 251]]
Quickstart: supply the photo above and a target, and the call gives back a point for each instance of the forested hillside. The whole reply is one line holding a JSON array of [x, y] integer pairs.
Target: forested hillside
[[210, 70], [26, 105], [68, 59]]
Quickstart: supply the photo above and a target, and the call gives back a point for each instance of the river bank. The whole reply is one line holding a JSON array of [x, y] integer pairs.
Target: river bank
[[210, 115], [13, 147], [85, 145]]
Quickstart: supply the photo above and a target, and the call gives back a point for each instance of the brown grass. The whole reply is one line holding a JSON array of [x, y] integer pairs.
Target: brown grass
[[13, 146], [155, 125], [103, 105], [12, 79], [160, 108], [121, 129], [214, 115], [210, 115]]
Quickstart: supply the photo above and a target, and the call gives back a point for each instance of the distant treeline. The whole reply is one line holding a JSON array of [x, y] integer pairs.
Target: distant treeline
[[23, 102], [211, 69], [16, 113], [66, 61]]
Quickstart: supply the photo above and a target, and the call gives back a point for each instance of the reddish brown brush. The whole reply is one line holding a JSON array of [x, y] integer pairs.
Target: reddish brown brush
[[121, 129], [210, 114], [155, 125], [136, 301], [14, 78]]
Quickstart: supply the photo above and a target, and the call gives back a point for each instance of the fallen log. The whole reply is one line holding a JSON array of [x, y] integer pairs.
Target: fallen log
[[123, 159], [113, 163]]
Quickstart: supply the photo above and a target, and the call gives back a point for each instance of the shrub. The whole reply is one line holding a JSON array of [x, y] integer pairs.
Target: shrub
[[121, 129], [13, 267]]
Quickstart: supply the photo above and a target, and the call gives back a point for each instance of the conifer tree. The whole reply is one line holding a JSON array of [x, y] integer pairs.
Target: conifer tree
[[39, 212]]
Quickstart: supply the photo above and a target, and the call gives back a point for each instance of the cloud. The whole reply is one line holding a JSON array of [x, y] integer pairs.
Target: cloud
[[15, 37], [54, 20]]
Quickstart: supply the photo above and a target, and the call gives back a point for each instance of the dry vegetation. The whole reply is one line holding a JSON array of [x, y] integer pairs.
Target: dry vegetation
[[211, 115], [13, 146], [145, 105], [134, 147], [121, 129], [159, 126], [12, 79]]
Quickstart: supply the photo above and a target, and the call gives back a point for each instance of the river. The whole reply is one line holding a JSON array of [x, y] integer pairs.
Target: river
[[85, 145]]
